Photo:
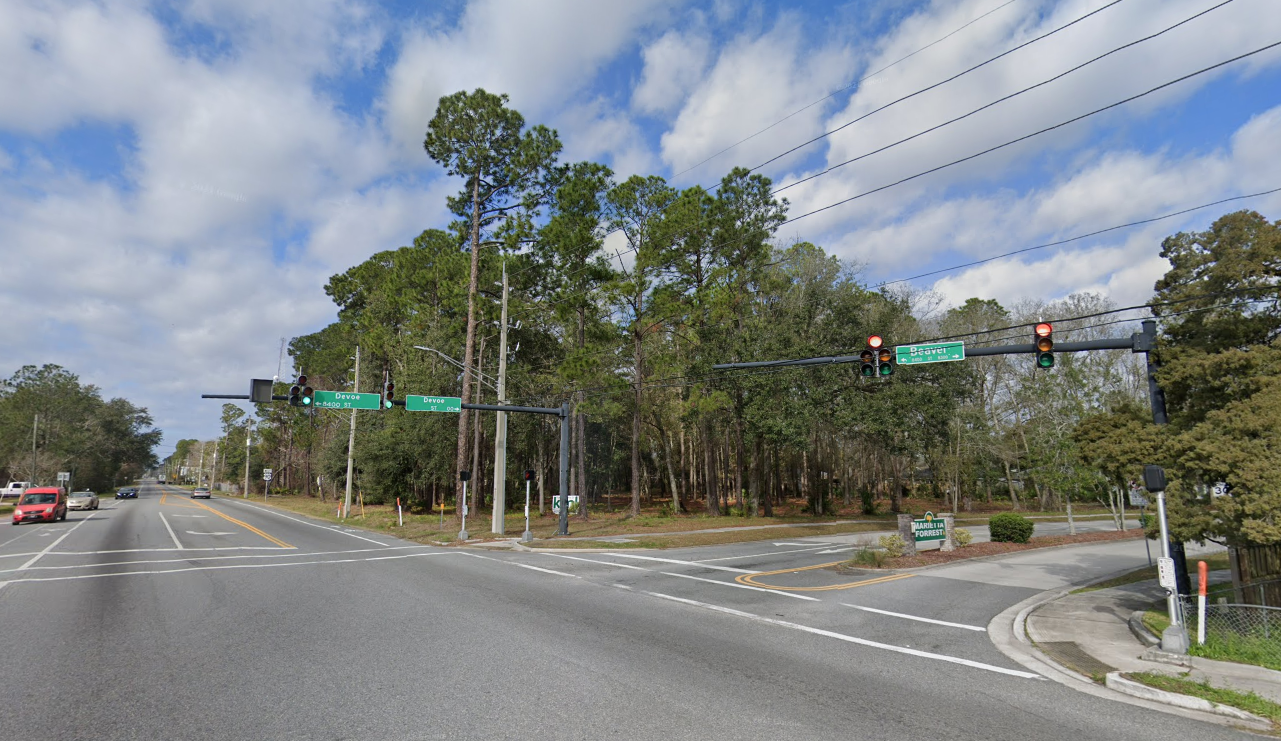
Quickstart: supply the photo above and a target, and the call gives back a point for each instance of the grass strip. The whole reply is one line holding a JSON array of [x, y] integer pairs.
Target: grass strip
[[1216, 561], [1247, 701]]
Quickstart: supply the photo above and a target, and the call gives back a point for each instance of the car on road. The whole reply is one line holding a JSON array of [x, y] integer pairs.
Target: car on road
[[127, 493], [14, 489], [200, 493], [82, 500], [41, 504]]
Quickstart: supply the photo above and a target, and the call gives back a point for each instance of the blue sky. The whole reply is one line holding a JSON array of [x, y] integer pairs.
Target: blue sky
[[178, 180]]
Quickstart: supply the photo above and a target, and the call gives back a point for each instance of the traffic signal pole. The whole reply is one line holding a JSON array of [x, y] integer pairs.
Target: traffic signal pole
[[351, 439]]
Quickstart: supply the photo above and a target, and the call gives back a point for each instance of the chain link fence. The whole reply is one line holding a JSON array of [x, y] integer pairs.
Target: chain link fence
[[1234, 631]]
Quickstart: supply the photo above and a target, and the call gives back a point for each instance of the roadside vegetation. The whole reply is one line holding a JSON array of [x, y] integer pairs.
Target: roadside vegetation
[[1247, 701]]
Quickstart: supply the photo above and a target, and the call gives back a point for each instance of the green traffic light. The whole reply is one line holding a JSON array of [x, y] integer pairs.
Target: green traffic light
[[1045, 360], [869, 371], [886, 369], [306, 401]]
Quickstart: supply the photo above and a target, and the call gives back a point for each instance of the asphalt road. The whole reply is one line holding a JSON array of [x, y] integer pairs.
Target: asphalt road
[[163, 618]]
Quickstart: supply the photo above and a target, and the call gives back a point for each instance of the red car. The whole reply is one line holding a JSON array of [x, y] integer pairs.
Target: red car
[[41, 504]]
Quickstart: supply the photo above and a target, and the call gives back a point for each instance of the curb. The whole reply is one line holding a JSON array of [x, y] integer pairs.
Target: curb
[[1116, 681], [1140, 631], [1008, 634]]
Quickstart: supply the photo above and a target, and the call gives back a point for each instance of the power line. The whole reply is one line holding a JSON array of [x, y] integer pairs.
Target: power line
[[937, 84], [834, 93], [998, 101]]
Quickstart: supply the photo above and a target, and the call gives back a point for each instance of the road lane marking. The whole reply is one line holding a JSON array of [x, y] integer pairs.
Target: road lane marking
[[194, 532], [54, 544], [605, 563], [764, 555], [741, 586], [523, 565], [905, 616], [850, 638], [685, 563], [750, 578], [275, 553], [332, 529], [245, 525], [226, 567], [171, 533]]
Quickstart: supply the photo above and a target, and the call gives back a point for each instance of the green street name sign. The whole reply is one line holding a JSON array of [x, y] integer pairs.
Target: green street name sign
[[433, 404], [345, 400], [932, 352], [929, 528]]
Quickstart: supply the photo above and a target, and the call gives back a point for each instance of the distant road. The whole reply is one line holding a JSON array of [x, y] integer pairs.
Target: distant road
[[164, 618]]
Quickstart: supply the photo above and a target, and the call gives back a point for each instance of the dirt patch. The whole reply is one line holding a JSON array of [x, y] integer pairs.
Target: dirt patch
[[978, 550]]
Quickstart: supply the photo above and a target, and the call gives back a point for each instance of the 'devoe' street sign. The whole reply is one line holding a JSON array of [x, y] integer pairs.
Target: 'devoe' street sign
[[929, 528], [433, 404], [932, 352], [345, 400]]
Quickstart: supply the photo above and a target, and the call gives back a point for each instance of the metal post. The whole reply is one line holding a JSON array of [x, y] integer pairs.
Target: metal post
[[35, 428], [462, 532], [563, 527], [200, 477], [527, 536], [249, 429], [1156, 397], [1175, 637], [351, 439], [499, 522]]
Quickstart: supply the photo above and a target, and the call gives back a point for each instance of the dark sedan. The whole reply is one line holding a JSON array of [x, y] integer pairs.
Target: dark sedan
[[127, 493]]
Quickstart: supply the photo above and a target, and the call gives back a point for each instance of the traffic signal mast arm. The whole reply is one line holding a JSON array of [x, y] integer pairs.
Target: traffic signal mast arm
[[1137, 342]]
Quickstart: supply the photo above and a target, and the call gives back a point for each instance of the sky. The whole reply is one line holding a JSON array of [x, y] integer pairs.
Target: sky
[[178, 180]]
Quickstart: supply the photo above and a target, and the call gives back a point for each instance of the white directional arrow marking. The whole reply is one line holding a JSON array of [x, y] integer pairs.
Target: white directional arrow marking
[[836, 550], [193, 532], [800, 544]]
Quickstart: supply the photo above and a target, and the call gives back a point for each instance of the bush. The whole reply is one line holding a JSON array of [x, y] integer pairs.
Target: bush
[[867, 500], [869, 557], [893, 545], [1008, 527], [962, 537]]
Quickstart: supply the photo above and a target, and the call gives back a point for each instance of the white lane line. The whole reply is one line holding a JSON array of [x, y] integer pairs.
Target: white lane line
[[177, 544], [54, 544], [524, 566], [189, 559], [763, 555], [916, 617], [333, 529], [849, 638], [169, 550], [604, 563], [226, 567], [743, 586], [684, 563], [195, 532]]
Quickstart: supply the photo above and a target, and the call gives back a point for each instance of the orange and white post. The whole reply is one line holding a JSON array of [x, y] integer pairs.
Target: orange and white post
[[399, 515], [1203, 571]]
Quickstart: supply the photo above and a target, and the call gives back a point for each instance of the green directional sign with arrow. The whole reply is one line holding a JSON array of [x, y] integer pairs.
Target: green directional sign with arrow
[[433, 404], [930, 352], [345, 400]]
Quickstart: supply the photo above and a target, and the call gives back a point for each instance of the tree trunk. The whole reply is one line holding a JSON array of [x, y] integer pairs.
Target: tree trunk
[[638, 359], [709, 470], [470, 348], [738, 461]]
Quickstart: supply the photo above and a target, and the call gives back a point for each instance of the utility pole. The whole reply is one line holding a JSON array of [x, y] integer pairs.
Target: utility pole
[[499, 524], [213, 479], [249, 429], [351, 438], [35, 427], [201, 475]]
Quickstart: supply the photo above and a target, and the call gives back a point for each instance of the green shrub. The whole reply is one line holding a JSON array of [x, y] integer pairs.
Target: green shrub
[[893, 545], [869, 557], [962, 537], [867, 500], [1008, 527]]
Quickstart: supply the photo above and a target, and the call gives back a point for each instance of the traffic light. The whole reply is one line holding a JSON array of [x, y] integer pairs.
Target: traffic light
[[529, 474], [295, 395], [868, 366], [307, 393], [389, 392], [885, 362], [1044, 345]]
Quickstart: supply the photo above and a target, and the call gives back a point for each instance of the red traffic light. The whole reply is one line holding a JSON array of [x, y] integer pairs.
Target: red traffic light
[[875, 341], [302, 380], [1044, 329]]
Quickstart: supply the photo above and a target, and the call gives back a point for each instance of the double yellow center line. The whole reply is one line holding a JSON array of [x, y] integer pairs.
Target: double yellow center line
[[191, 502], [750, 579]]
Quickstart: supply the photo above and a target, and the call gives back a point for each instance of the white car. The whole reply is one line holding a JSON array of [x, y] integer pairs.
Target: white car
[[200, 493], [82, 500]]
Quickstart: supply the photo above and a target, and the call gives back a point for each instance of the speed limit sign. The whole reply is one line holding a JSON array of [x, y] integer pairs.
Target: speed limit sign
[[266, 474]]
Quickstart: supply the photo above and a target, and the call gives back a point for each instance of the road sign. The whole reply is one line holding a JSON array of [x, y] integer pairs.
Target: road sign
[[266, 474], [64, 476], [930, 352], [433, 404], [1138, 498], [573, 504], [929, 528], [345, 400], [1165, 573]]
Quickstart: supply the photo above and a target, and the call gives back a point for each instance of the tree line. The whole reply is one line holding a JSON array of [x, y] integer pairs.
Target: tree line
[[701, 276]]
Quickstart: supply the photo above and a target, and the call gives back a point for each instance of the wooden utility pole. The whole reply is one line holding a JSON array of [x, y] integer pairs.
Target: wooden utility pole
[[351, 438], [499, 520]]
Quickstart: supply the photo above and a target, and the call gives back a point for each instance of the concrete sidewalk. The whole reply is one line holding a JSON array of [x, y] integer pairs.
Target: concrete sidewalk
[[1090, 633]]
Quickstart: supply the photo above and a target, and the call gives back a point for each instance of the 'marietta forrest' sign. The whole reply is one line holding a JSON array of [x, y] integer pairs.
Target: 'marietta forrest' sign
[[929, 528], [930, 352], [345, 400]]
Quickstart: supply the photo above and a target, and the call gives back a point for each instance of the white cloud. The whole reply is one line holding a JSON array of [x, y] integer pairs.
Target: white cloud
[[538, 53], [674, 63]]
